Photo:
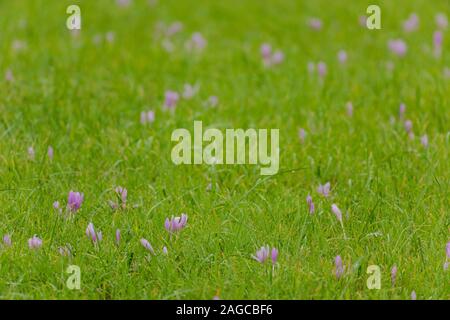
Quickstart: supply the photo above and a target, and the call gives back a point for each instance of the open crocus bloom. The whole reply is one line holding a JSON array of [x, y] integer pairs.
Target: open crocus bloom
[[35, 242], [263, 254], [412, 23], [339, 266], [197, 41], [170, 99], [324, 189], [398, 47], [176, 224], [270, 58], [75, 200], [315, 23]]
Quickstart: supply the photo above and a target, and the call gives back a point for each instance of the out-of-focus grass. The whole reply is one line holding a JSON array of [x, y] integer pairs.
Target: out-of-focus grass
[[84, 98]]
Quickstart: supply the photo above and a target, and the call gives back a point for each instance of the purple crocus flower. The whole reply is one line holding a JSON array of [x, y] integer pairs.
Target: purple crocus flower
[[176, 224], [64, 251], [438, 39], [197, 42], [57, 207], [168, 224], [310, 203], [408, 126], [445, 265], [315, 23], [31, 153], [90, 233], [413, 295], [349, 107], [339, 267], [447, 250], [393, 274], [151, 116], [324, 189], [19, 45], [424, 140], [110, 36], [143, 117], [266, 51], [174, 28], [122, 193], [212, 101], [274, 255], [34, 243], [7, 240], [113, 205], [301, 135], [165, 251], [321, 69], [75, 200], [262, 254], [147, 117], [147, 245], [412, 23], [123, 3], [342, 56], [401, 110], [171, 99], [270, 59], [277, 57], [441, 21], [337, 212], [362, 19], [50, 152], [9, 76], [398, 47], [118, 236], [190, 91]]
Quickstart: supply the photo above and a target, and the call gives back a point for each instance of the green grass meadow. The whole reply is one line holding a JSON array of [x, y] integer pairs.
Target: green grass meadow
[[83, 95]]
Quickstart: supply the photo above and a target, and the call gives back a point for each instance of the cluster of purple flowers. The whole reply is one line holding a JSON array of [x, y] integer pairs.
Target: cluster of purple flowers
[[263, 254]]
